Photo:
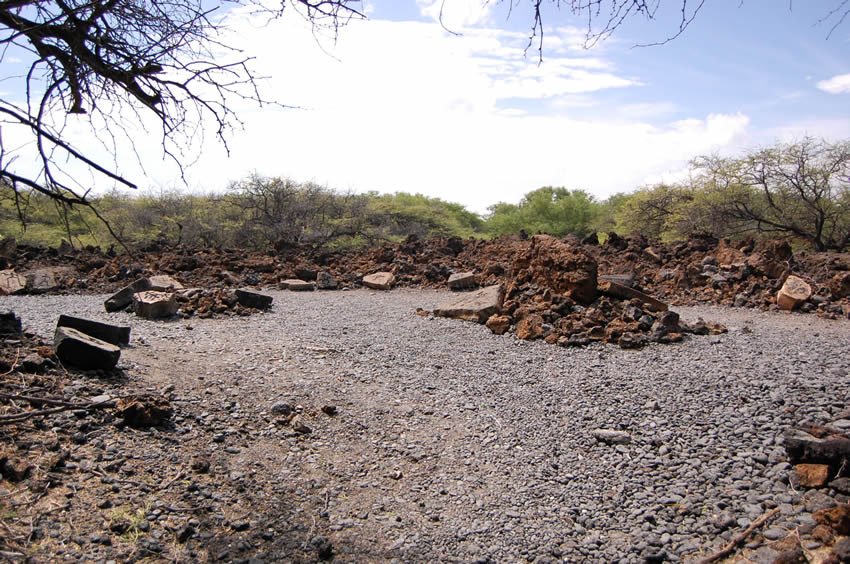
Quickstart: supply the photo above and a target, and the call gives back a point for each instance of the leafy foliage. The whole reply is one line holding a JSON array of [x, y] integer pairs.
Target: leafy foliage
[[556, 211]]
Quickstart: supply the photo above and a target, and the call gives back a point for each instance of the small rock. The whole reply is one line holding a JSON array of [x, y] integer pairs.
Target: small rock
[[812, 475], [256, 300], [462, 281], [379, 280], [325, 281], [151, 304], [124, 296], [611, 436], [297, 285], [329, 409]]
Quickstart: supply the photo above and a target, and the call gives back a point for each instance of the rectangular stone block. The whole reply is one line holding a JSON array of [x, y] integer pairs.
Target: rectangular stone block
[[124, 297], [113, 334], [75, 348], [154, 305], [256, 300]]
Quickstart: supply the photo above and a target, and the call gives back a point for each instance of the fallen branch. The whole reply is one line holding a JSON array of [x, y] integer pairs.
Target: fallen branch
[[730, 548], [62, 406]]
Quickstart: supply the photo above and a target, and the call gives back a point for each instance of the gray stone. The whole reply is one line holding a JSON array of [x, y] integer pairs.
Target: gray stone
[[325, 281], [256, 300], [379, 280], [124, 297], [297, 285], [611, 436], [11, 282], [164, 283], [476, 306], [620, 291], [462, 281], [113, 334], [44, 279], [151, 304], [77, 349]]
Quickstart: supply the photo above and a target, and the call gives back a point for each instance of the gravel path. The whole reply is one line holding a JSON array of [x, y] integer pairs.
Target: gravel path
[[454, 444]]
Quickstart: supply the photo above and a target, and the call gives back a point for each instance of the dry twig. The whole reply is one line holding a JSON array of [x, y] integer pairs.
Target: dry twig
[[737, 540]]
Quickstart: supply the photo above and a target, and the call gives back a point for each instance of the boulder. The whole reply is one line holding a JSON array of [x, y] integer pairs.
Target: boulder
[[794, 292], [77, 349], [476, 306], [10, 324], [499, 324], [112, 334], [11, 282], [124, 297], [626, 293], [379, 280], [462, 281], [42, 280], [551, 263], [151, 304], [164, 283], [297, 285], [325, 281], [256, 300]]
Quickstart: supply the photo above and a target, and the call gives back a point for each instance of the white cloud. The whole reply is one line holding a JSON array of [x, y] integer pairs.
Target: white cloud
[[839, 84]]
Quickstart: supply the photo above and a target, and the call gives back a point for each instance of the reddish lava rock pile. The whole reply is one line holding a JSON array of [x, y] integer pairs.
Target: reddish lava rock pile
[[551, 285]]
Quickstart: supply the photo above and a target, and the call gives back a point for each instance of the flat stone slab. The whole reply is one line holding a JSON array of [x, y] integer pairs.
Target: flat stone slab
[[297, 285], [112, 334], [611, 436], [151, 304], [11, 282], [124, 297], [164, 283], [462, 281], [619, 291], [256, 300], [379, 280], [77, 349], [476, 306]]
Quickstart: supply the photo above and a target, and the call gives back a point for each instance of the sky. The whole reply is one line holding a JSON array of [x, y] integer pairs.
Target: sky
[[460, 110]]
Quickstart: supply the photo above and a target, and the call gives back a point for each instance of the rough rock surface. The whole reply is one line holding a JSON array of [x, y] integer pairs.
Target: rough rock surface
[[447, 443], [476, 306], [379, 280], [79, 350]]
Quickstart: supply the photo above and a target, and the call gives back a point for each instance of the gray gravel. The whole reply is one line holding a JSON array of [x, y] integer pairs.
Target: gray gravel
[[454, 444]]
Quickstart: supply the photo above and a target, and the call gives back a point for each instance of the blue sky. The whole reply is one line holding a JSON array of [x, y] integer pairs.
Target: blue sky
[[398, 103]]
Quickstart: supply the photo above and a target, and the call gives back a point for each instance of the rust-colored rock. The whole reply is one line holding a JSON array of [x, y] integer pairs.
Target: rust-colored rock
[[812, 475], [530, 327], [565, 270], [499, 324], [839, 285], [144, 411], [837, 518]]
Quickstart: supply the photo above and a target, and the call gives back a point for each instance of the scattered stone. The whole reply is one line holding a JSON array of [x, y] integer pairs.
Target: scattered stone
[[812, 475], [841, 485], [841, 550], [530, 327], [44, 280], [794, 292], [113, 334], [477, 306], [299, 427], [297, 285], [627, 280], [164, 283], [805, 448], [499, 324], [325, 281], [144, 410], [11, 282], [324, 548], [151, 304], [611, 436], [79, 350], [124, 297], [462, 281], [256, 300], [329, 410], [379, 280], [10, 324], [282, 408]]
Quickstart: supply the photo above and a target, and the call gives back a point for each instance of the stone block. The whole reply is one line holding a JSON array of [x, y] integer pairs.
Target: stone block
[[256, 300], [124, 297], [112, 334], [462, 281], [77, 349], [151, 304], [379, 280], [477, 306]]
